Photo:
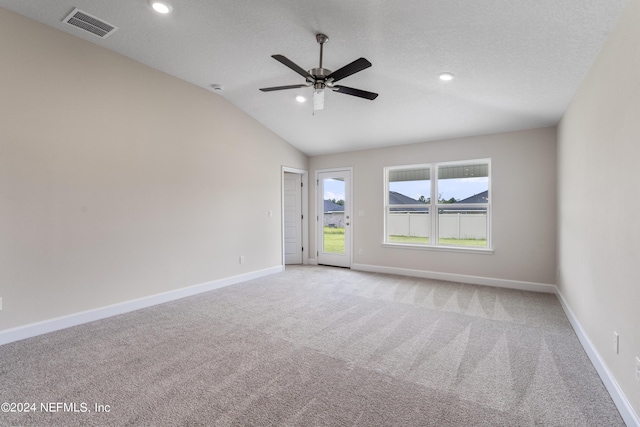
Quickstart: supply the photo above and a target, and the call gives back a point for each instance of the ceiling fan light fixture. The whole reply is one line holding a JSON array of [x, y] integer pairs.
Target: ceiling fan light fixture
[[161, 6], [318, 99], [447, 77]]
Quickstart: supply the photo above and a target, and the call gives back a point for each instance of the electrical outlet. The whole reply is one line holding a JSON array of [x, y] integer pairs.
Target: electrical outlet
[[241, 259], [616, 342], [359, 251], [638, 368]]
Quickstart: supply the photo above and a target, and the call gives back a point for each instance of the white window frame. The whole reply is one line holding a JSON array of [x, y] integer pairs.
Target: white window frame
[[434, 207]]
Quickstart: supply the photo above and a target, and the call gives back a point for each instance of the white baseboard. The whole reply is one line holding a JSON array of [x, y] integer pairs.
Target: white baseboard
[[39, 328], [474, 280], [619, 399]]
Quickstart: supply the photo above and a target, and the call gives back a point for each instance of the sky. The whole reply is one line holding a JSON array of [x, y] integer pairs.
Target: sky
[[459, 188], [333, 189]]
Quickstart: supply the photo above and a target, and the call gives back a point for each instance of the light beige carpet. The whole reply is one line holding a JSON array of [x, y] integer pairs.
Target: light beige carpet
[[317, 346]]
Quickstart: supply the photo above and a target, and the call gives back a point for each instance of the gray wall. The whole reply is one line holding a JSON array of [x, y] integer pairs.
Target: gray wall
[[523, 192], [119, 182], [598, 193]]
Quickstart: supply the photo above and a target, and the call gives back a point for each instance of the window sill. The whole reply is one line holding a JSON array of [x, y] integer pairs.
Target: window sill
[[483, 251]]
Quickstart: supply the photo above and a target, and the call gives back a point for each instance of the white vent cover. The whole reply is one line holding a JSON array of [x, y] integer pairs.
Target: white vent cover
[[86, 22]]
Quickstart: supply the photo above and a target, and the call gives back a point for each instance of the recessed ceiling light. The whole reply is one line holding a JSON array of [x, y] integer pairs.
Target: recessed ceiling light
[[446, 76], [161, 7], [300, 98]]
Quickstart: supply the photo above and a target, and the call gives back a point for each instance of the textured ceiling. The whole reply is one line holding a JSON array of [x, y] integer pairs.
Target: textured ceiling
[[517, 63]]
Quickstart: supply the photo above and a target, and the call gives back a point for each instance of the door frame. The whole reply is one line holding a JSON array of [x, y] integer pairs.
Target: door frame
[[305, 212], [319, 228]]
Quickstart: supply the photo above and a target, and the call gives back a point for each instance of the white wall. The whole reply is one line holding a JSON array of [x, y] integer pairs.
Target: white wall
[[598, 181], [119, 182], [523, 167]]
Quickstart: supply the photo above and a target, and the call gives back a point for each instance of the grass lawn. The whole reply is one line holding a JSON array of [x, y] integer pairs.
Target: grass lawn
[[482, 243], [334, 240]]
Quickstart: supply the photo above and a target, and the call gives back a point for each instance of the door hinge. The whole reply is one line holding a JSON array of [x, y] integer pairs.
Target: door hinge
[[302, 249], [317, 182], [301, 184], [301, 216]]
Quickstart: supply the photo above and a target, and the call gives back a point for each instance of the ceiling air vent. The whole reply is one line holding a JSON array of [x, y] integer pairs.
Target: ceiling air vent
[[86, 22]]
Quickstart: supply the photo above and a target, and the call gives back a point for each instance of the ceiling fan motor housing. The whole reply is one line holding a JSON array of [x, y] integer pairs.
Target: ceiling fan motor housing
[[320, 74]]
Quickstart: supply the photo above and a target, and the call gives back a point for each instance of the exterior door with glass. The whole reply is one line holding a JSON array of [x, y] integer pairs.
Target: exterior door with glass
[[334, 218]]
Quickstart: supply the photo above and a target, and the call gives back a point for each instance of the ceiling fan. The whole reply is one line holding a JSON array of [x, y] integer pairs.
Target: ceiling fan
[[321, 78]]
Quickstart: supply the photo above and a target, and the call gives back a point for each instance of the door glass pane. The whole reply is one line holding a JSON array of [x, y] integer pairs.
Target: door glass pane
[[333, 215]]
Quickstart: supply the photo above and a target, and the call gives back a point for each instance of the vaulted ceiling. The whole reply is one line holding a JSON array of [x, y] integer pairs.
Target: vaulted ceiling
[[516, 63]]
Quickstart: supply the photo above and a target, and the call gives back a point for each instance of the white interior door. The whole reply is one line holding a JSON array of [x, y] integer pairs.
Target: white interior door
[[292, 191], [334, 218]]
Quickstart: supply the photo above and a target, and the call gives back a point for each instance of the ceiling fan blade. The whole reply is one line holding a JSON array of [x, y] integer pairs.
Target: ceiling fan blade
[[270, 89], [295, 67], [357, 65], [355, 92]]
